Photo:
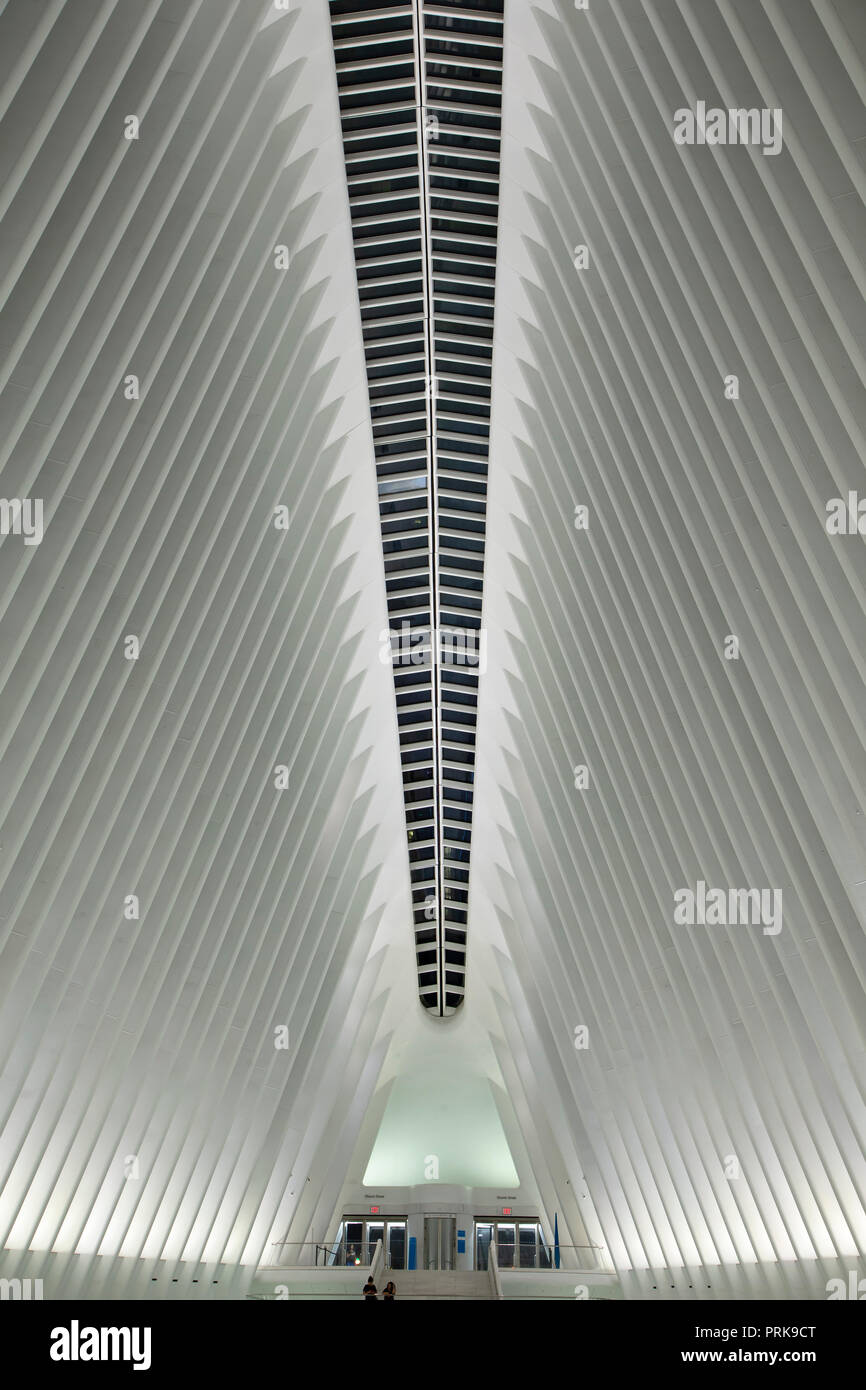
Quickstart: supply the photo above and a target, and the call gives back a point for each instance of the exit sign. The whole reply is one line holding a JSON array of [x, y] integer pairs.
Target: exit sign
[[375, 1211], [506, 1211]]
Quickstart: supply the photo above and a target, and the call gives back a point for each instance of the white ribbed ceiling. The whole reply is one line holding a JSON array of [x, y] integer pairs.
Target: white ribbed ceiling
[[263, 906]]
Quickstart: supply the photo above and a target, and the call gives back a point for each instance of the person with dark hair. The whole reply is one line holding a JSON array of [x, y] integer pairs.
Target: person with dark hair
[[389, 1290], [370, 1290]]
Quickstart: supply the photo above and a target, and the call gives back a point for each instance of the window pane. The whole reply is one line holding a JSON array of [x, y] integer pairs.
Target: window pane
[[397, 1244], [527, 1247], [354, 1241], [505, 1245], [375, 1232]]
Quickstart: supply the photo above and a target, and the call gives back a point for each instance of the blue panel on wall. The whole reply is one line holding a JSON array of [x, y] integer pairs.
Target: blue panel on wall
[[412, 1243]]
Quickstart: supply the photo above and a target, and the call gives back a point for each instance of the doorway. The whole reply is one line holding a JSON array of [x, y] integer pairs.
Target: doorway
[[440, 1240], [519, 1244], [356, 1242]]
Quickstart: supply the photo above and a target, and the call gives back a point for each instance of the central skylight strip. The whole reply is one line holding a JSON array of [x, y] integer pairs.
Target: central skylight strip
[[438, 904], [420, 99]]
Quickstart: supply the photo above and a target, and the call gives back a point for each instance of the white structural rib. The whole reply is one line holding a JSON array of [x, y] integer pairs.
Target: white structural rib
[[717, 1106]]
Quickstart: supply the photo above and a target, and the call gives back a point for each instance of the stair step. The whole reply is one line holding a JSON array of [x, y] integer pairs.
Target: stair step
[[431, 1283]]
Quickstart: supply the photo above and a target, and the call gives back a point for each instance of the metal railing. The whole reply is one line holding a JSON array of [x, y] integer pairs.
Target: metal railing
[[537, 1255], [593, 1262], [358, 1254], [339, 1254]]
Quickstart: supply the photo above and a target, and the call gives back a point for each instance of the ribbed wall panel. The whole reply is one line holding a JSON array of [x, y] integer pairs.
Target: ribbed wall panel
[[706, 517], [151, 1041]]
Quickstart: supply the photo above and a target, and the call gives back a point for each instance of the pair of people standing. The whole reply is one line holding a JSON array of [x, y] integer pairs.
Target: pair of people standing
[[370, 1290]]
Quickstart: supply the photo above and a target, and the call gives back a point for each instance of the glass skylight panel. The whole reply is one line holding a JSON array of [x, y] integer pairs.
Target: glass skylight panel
[[420, 94]]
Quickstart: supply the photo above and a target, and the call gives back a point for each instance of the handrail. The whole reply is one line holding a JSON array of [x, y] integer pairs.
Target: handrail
[[563, 1246], [493, 1272], [333, 1253]]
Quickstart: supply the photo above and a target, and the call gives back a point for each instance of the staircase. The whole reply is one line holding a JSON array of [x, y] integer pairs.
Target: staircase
[[436, 1283]]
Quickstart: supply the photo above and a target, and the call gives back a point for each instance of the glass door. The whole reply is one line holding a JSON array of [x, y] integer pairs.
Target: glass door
[[505, 1244], [353, 1243], [440, 1234], [395, 1253], [518, 1244], [528, 1244], [375, 1233], [483, 1237], [359, 1235]]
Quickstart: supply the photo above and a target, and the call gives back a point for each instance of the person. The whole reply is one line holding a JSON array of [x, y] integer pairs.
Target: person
[[389, 1290], [370, 1290]]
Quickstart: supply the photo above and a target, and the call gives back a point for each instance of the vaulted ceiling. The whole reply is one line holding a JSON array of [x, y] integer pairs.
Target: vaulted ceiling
[[210, 1019]]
